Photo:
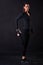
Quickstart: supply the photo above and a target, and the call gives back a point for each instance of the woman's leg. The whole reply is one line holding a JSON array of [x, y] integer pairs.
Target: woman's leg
[[25, 39]]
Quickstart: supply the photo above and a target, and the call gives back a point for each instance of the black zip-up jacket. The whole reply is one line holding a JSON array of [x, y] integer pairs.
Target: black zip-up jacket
[[23, 21]]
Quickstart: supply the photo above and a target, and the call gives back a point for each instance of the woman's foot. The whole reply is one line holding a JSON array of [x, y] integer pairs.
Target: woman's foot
[[23, 58]]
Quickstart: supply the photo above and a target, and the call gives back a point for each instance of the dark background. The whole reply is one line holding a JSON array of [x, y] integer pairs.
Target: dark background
[[9, 9]]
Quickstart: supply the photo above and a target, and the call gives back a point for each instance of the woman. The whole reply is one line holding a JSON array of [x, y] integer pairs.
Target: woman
[[24, 30]]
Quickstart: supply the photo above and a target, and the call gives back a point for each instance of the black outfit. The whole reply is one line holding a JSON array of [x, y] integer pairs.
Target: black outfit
[[23, 23]]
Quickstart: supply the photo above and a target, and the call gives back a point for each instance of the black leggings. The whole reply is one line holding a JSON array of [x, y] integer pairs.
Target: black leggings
[[25, 40]]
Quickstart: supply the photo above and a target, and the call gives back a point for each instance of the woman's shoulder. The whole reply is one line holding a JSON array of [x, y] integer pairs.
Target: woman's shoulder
[[20, 15]]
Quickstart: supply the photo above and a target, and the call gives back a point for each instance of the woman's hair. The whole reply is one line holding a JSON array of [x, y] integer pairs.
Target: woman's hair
[[25, 3]]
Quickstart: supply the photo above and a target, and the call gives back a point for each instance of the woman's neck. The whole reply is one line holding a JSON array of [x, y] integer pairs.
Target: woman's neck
[[28, 13]]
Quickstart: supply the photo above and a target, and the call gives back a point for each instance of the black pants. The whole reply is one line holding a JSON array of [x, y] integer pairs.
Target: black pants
[[25, 40]]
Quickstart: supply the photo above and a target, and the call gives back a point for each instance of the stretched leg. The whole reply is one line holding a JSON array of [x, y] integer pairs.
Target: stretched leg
[[25, 40], [26, 43]]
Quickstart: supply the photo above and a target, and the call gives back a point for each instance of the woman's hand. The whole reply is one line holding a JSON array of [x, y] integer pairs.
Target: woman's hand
[[18, 32]]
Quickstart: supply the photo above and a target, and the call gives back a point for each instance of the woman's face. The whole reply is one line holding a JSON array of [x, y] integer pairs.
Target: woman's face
[[26, 7]]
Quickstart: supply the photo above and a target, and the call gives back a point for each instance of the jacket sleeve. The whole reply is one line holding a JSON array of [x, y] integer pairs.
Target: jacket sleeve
[[16, 24], [18, 20]]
